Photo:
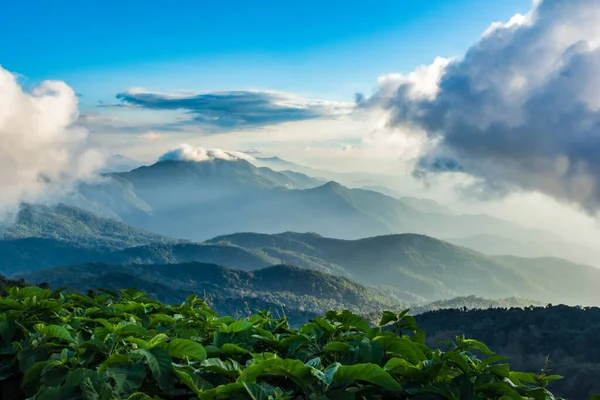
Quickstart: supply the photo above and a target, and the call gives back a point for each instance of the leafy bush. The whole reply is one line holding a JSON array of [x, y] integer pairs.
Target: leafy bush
[[106, 346]]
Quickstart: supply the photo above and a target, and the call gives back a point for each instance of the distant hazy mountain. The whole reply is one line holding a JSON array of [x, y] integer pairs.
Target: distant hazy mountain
[[199, 200], [433, 269], [498, 245], [414, 268], [351, 179], [119, 163], [419, 204]]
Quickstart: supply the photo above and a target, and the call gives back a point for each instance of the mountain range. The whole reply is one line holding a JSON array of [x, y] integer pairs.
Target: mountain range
[[410, 268], [168, 229], [200, 200]]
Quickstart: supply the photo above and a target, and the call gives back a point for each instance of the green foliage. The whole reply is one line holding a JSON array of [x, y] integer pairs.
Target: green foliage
[[57, 345], [560, 340]]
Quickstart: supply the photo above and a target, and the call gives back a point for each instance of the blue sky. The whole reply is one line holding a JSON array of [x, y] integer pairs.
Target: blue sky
[[326, 49]]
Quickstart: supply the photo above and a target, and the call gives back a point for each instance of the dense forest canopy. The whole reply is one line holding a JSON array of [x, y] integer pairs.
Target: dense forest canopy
[[565, 336]]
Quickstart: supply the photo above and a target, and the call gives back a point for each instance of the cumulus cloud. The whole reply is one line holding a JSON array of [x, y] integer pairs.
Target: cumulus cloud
[[41, 153], [151, 136], [520, 111], [252, 152], [186, 152], [235, 109]]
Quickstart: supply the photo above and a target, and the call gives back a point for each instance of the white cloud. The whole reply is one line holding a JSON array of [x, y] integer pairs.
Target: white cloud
[[186, 152], [520, 111], [41, 153], [151, 136]]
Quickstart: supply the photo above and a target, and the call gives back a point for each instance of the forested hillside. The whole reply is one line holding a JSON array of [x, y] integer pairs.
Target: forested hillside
[[562, 339], [416, 268]]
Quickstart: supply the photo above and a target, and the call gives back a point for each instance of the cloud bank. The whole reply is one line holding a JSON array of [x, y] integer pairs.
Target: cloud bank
[[41, 154], [520, 111], [186, 152], [235, 109]]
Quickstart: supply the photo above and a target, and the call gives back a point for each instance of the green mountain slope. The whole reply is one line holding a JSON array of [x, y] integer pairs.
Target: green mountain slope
[[433, 269], [228, 256], [291, 287], [24, 255], [74, 225]]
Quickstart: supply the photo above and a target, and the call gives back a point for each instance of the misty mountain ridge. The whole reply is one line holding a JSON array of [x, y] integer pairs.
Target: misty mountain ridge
[[74, 225], [416, 268], [499, 245], [119, 163], [200, 200]]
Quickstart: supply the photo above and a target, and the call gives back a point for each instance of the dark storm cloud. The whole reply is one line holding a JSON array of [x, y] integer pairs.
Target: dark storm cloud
[[520, 110], [234, 109]]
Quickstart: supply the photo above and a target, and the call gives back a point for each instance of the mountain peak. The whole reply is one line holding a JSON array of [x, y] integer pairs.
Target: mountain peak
[[332, 185]]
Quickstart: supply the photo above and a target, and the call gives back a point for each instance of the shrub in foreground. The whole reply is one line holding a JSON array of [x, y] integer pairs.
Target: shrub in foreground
[[56, 345]]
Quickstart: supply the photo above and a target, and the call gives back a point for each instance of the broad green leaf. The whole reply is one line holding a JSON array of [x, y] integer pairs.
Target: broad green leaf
[[348, 319], [328, 374], [402, 347], [105, 323], [158, 339], [388, 317], [127, 379], [371, 352], [162, 318], [401, 366], [7, 330], [31, 378], [116, 358], [31, 291], [234, 390], [367, 373], [140, 343], [314, 362], [491, 360], [187, 380], [239, 326], [28, 357], [54, 331], [58, 332], [458, 359], [518, 378], [59, 393], [131, 330], [337, 347], [553, 377], [159, 362], [497, 390], [323, 324], [11, 304], [95, 390], [477, 345], [185, 348], [287, 368], [218, 366], [503, 370], [262, 392], [233, 349]]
